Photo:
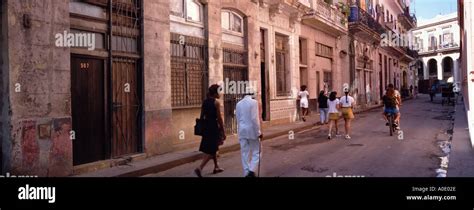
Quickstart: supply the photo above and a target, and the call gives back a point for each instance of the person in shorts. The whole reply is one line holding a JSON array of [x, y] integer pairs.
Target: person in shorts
[[391, 101], [333, 104], [304, 102], [347, 104]]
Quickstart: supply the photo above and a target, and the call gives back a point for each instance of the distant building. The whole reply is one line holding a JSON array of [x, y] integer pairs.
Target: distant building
[[437, 41], [136, 91]]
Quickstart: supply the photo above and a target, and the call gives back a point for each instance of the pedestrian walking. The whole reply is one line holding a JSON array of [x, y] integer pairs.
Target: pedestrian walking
[[432, 92], [347, 106], [249, 133], [416, 92], [333, 109], [213, 132], [304, 102], [323, 108]]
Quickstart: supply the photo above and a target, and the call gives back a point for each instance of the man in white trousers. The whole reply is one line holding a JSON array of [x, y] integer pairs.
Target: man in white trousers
[[249, 132]]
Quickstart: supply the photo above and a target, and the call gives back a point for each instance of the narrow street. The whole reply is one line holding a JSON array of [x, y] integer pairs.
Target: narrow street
[[370, 153]]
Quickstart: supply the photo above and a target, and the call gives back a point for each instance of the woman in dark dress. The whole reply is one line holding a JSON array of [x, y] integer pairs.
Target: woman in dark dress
[[214, 134]]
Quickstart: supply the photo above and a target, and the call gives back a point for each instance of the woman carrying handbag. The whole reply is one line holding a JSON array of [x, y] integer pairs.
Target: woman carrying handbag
[[211, 128]]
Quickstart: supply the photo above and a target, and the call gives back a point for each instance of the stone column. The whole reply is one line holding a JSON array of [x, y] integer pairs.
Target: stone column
[[440, 69], [456, 71], [157, 70], [214, 36]]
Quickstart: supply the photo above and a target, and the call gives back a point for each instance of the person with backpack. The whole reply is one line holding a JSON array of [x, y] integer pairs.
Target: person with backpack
[[392, 102]]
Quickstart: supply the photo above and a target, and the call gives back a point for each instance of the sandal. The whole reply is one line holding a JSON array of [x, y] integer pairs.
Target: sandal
[[218, 170]]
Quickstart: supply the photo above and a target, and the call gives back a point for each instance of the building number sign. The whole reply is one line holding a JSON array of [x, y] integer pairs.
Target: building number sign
[[85, 65]]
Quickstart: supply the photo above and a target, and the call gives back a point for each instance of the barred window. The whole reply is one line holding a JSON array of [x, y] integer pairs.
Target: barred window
[[189, 75], [323, 50]]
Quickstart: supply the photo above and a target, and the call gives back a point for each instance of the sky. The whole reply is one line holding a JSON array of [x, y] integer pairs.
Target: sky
[[427, 9]]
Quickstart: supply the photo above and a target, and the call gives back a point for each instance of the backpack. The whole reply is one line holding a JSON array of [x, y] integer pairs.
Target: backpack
[[390, 101]]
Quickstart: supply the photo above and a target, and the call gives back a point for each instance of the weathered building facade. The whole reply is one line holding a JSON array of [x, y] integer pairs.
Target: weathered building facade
[[324, 46], [66, 105], [438, 51], [379, 55], [135, 90]]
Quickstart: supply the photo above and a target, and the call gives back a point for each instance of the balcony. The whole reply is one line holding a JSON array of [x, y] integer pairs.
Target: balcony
[[434, 49], [390, 26], [360, 22], [407, 20], [326, 17], [448, 46], [409, 55]]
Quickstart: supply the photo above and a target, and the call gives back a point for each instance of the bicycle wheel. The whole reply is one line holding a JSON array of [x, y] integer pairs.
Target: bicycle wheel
[[391, 124]]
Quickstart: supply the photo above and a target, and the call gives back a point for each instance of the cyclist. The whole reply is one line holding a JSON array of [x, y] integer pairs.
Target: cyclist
[[392, 102]]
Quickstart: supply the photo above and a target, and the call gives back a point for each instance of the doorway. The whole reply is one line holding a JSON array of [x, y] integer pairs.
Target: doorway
[[107, 92], [88, 109]]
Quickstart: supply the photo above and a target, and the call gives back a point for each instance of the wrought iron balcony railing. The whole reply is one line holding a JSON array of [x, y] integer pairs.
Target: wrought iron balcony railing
[[410, 16], [329, 13], [358, 15]]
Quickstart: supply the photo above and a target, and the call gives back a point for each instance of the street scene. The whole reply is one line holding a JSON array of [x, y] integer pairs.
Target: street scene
[[371, 152], [236, 88], [362, 102]]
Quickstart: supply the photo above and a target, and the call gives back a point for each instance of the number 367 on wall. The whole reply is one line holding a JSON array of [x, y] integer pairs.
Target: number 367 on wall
[[85, 65]]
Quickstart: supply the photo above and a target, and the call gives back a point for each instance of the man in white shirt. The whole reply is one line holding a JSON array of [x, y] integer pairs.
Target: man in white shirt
[[249, 132]]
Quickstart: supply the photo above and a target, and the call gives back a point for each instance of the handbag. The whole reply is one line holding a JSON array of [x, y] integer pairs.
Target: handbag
[[200, 124]]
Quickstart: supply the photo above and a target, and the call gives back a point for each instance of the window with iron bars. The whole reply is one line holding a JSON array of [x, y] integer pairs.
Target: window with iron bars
[[282, 71], [323, 50], [189, 73]]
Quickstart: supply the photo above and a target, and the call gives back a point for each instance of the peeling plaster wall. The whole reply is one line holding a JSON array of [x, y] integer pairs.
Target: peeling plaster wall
[[41, 105]]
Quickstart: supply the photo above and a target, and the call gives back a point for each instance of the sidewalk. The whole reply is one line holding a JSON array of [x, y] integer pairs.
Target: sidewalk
[[462, 152], [167, 161]]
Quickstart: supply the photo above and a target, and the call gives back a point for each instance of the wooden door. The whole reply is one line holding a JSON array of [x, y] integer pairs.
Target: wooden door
[[125, 107], [88, 110]]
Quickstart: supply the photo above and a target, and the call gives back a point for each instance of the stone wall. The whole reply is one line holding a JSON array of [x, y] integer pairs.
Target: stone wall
[[157, 67], [39, 81]]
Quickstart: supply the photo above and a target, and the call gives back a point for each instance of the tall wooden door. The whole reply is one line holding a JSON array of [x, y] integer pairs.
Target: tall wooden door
[[126, 107], [125, 92], [88, 110]]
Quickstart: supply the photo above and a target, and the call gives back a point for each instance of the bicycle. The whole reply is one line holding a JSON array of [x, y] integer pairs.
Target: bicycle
[[391, 123]]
